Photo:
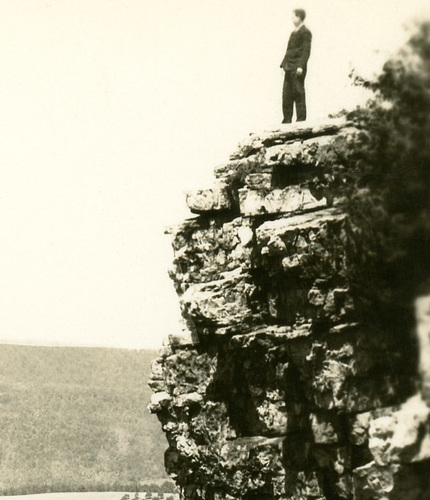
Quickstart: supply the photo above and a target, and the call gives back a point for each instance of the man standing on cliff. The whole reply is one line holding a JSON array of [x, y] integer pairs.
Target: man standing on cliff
[[295, 64]]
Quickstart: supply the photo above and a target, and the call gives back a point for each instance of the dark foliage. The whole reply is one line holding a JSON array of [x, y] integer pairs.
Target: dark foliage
[[384, 180]]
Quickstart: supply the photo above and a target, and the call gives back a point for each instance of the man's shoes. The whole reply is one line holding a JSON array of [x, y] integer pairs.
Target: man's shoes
[[286, 121]]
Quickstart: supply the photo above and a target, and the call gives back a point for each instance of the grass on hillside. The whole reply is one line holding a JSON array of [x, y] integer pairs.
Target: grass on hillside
[[75, 419]]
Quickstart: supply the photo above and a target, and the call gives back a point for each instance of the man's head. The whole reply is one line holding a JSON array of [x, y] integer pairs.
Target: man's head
[[299, 15]]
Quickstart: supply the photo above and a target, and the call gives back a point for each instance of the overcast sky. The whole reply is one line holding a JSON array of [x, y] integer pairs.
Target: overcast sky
[[109, 110]]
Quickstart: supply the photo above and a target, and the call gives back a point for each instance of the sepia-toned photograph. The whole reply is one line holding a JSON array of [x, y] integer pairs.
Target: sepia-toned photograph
[[215, 252]]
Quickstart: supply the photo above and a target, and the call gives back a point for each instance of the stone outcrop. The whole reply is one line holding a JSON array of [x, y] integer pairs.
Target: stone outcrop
[[280, 386]]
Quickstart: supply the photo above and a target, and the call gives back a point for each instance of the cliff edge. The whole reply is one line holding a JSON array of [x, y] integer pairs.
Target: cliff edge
[[303, 371], [286, 383]]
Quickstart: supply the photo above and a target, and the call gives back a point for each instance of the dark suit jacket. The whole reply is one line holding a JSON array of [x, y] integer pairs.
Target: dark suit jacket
[[298, 50]]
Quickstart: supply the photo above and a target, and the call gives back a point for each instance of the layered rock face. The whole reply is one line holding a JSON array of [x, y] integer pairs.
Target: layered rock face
[[281, 386]]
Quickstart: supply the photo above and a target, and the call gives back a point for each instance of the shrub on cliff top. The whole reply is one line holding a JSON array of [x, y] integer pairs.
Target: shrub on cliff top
[[385, 179], [397, 152]]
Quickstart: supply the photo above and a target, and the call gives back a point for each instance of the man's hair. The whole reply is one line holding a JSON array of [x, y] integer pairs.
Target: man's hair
[[300, 13]]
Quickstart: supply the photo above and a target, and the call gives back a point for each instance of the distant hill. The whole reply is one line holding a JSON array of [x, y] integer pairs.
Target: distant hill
[[75, 419]]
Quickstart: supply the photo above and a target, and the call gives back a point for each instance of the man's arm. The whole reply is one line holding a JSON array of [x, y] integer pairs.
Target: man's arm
[[284, 60], [305, 49]]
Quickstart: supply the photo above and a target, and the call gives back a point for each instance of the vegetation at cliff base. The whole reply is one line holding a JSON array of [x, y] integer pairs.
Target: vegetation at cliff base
[[75, 419]]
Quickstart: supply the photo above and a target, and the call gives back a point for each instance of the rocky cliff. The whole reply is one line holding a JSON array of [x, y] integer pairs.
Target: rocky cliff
[[288, 382]]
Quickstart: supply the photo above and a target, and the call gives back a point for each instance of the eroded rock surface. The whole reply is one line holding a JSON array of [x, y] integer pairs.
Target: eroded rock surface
[[281, 386]]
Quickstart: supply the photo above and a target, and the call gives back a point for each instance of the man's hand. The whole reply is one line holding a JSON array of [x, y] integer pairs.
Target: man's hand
[[299, 71]]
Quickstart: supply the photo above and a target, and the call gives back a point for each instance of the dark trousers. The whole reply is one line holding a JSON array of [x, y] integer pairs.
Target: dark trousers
[[294, 92]]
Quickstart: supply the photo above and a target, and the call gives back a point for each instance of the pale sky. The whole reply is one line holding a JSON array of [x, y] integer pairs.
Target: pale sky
[[109, 110]]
